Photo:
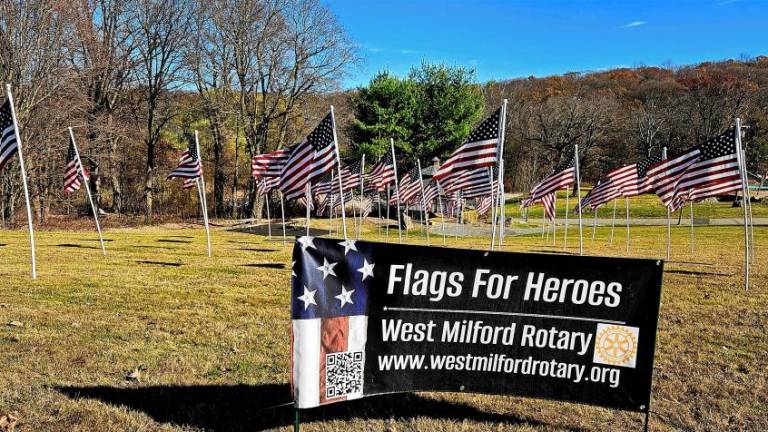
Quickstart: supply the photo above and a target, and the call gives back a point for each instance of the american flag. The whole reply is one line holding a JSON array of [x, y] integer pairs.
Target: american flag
[[265, 185], [72, 171], [548, 201], [483, 205], [350, 176], [467, 180], [329, 323], [626, 181], [662, 177], [454, 205], [382, 174], [409, 187], [189, 164], [189, 183], [309, 160], [430, 193], [8, 140], [480, 150], [270, 164], [326, 185], [715, 172], [563, 176]]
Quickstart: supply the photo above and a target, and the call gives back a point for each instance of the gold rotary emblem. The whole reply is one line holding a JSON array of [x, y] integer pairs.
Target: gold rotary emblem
[[616, 345]]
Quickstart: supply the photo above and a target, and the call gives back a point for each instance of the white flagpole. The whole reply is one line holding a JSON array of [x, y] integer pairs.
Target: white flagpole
[[565, 231], [88, 191], [282, 215], [500, 194], [626, 202], [594, 223], [269, 216], [669, 216], [23, 180], [423, 201], [201, 189], [362, 196], [458, 215], [338, 164], [330, 198], [442, 210], [397, 190], [378, 213], [693, 247], [613, 220], [554, 219], [493, 210], [386, 228], [745, 194], [307, 198], [578, 196]]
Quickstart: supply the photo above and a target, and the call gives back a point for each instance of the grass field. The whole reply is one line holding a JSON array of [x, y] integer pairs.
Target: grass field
[[207, 340]]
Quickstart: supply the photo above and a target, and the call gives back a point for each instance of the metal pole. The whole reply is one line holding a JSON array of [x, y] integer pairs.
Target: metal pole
[[397, 190], [745, 194], [493, 210], [282, 215], [423, 202], [307, 192], [296, 420], [594, 224], [269, 216], [693, 247], [613, 220], [442, 210], [201, 188], [669, 215], [502, 130], [362, 196], [88, 191], [626, 202], [554, 219], [378, 213], [578, 196], [23, 180], [338, 164], [565, 231], [386, 229]]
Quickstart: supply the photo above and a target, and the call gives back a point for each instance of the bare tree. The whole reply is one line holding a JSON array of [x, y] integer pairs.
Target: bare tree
[[161, 31]]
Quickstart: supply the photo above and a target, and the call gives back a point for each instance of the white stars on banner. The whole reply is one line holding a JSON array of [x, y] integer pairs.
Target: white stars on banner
[[366, 269], [345, 296], [306, 242], [308, 298], [327, 268]]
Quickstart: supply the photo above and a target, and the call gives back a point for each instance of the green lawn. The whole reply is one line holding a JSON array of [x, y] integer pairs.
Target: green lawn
[[210, 339]]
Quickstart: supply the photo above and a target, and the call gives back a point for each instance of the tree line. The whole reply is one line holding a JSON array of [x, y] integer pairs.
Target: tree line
[[135, 78]]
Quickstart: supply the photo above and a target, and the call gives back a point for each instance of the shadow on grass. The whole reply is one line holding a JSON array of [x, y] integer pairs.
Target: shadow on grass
[[155, 247], [266, 265], [553, 251], [242, 407], [697, 273], [94, 240], [174, 241], [258, 250], [72, 245], [277, 231], [160, 263], [690, 262]]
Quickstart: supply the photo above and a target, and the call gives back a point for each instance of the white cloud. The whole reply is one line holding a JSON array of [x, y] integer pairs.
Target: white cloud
[[633, 24]]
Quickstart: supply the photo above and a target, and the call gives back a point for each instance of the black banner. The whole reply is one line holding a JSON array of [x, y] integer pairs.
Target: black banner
[[569, 328]]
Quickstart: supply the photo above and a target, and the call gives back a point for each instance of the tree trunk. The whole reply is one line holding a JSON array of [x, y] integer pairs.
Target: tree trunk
[[148, 183], [219, 177]]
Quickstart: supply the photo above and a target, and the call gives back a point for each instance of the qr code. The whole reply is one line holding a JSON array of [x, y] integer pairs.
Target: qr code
[[343, 374]]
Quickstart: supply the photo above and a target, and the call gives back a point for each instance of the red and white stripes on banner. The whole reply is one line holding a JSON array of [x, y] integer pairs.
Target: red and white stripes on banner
[[321, 336]]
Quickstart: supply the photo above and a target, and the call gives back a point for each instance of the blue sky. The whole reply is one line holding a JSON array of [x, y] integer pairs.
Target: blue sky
[[517, 38]]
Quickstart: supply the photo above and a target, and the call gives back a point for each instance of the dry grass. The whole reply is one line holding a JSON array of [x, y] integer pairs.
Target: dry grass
[[210, 339]]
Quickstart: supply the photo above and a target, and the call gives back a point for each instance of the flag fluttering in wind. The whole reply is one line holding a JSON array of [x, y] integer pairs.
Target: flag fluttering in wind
[[270, 164], [716, 172], [626, 181], [73, 170], [309, 160], [350, 176], [382, 174], [8, 141], [189, 167], [483, 205], [409, 187], [480, 150], [562, 177], [265, 185]]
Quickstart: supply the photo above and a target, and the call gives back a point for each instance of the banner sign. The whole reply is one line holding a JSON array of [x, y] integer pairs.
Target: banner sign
[[372, 318]]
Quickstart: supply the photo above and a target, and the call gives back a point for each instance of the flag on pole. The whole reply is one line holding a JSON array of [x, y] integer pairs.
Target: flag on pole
[[8, 141], [189, 165], [483, 205], [563, 176], [265, 185], [350, 176], [409, 187], [309, 160], [715, 172], [480, 150], [430, 193], [270, 164], [382, 174], [72, 171], [627, 181]]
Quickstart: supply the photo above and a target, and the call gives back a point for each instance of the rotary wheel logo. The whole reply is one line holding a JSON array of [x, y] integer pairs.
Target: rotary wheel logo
[[616, 345]]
